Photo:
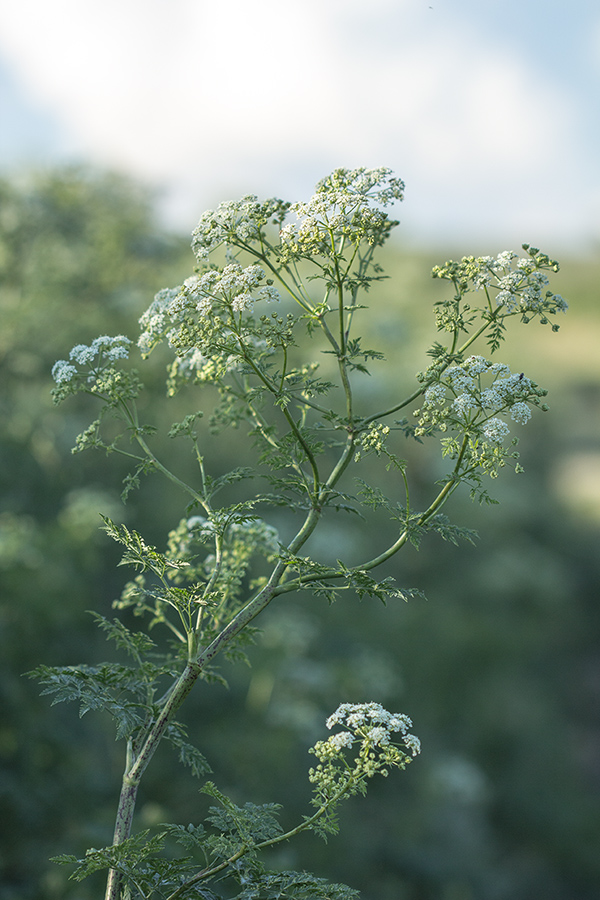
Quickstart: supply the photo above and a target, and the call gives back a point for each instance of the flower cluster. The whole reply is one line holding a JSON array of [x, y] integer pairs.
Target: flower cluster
[[103, 349], [518, 282], [156, 321], [237, 223], [378, 184], [470, 396], [200, 308], [233, 286], [342, 207], [372, 724], [372, 440], [369, 730]]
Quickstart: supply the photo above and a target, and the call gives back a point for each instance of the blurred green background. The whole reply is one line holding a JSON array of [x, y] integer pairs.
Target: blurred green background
[[499, 668]]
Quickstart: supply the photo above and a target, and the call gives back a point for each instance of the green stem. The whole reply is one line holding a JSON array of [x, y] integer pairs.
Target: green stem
[[425, 385], [305, 304], [171, 475], [131, 417], [277, 394], [175, 697], [436, 504], [135, 770], [270, 842]]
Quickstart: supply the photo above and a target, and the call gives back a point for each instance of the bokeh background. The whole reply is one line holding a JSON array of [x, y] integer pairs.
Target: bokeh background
[[122, 121], [489, 111]]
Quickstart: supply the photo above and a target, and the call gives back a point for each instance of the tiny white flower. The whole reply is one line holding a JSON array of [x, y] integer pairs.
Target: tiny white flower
[[499, 369], [241, 302], [342, 739], [356, 719], [62, 372], [399, 723], [82, 354], [505, 258], [464, 404], [475, 365], [111, 347], [495, 430], [461, 381], [435, 394], [507, 299], [520, 412], [337, 716], [269, 293], [413, 743], [380, 736], [490, 399]]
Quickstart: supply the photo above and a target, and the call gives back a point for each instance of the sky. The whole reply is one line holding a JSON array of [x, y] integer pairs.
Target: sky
[[488, 109]]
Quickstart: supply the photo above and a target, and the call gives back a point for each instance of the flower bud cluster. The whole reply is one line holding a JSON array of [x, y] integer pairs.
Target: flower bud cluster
[[238, 542], [470, 396], [373, 440]]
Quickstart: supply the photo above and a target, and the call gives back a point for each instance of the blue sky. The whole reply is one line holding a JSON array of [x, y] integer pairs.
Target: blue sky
[[489, 110]]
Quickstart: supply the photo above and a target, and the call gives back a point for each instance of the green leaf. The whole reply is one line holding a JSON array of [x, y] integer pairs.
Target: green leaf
[[97, 688], [134, 643], [188, 754], [124, 857], [138, 554], [295, 886], [250, 824], [449, 532], [189, 836]]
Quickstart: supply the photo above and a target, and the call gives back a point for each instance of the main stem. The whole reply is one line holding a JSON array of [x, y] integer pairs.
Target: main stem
[[138, 765]]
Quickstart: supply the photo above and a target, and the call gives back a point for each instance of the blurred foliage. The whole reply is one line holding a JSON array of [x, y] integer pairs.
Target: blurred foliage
[[499, 668]]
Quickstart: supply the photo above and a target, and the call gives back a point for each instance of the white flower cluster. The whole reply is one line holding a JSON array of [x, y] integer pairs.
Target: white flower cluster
[[490, 268], [373, 723], [377, 184], [103, 348], [241, 222], [157, 322], [341, 205], [520, 286], [523, 289], [507, 392], [234, 222], [237, 286], [495, 430], [62, 372]]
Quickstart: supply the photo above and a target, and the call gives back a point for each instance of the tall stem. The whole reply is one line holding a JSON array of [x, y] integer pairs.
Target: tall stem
[[183, 686], [134, 772]]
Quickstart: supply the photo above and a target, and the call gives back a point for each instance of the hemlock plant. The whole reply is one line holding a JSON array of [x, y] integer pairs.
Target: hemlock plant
[[270, 277]]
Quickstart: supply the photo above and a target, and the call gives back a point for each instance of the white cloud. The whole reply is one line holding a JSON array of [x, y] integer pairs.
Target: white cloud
[[216, 96]]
